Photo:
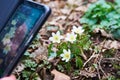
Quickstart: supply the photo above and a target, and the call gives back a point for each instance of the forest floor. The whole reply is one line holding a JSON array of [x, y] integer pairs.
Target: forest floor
[[102, 63]]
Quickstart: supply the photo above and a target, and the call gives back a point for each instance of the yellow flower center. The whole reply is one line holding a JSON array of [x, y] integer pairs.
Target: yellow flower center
[[56, 37], [72, 37], [67, 55], [77, 31]]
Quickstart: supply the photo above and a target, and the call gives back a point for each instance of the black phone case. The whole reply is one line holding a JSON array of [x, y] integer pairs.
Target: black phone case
[[6, 9], [36, 29]]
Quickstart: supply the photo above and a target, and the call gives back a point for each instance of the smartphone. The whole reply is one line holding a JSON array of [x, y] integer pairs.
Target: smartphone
[[6, 9], [18, 33]]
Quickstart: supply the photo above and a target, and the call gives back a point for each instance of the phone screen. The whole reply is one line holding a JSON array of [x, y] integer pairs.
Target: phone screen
[[16, 31]]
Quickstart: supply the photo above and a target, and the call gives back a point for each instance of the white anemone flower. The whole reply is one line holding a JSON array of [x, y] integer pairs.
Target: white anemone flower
[[56, 37], [78, 30], [66, 55], [71, 37], [7, 48], [6, 39]]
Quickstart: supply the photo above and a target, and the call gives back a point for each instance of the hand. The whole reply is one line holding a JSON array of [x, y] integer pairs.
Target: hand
[[12, 77]]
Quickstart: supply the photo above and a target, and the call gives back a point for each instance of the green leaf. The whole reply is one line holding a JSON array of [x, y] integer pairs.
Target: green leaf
[[68, 66], [60, 67], [84, 42], [104, 23], [75, 49], [114, 27], [79, 62], [26, 74], [27, 54], [62, 46], [50, 49], [95, 65], [88, 21], [104, 15], [116, 34], [117, 2], [30, 64]]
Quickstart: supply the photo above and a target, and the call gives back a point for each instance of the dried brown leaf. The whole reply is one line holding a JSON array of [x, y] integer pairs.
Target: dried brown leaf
[[43, 31], [81, 8], [74, 2], [45, 74], [75, 16], [109, 44], [59, 76], [66, 11], [40, 54], [20, 67], [87, 74], [103, 32]]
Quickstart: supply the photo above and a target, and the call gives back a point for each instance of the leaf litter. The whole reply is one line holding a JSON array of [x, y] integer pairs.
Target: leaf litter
[[65, 14]]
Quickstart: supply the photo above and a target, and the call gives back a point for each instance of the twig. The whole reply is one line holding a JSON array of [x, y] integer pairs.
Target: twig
[[116, 59], [82, 53], [93, 55], [98, 72], [101, 67]]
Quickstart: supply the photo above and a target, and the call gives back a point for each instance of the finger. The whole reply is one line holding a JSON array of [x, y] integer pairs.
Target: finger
[[12, 77]]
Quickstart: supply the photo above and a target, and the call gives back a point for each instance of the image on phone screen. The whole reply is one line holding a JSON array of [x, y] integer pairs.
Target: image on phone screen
[[16, 32]]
